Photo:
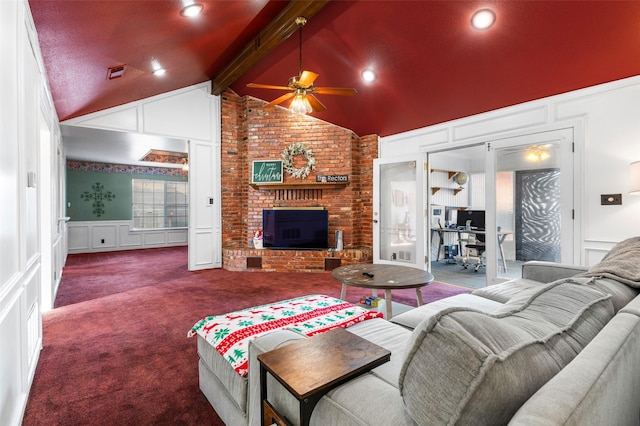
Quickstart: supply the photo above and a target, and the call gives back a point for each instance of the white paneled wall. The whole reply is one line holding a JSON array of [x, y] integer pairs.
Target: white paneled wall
[[25, 109], [88, 237], [605, 123]]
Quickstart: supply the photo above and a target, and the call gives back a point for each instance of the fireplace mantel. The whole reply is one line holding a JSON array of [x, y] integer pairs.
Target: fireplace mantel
[[300, 185]]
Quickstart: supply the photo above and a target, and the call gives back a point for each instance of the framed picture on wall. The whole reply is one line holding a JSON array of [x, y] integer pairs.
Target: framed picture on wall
[[266, 171]]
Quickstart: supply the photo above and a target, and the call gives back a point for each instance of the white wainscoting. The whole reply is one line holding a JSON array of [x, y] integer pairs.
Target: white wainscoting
[[595, 250], [113, 235]]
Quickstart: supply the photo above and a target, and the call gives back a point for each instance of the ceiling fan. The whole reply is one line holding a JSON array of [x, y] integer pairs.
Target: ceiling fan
[[301, 87]]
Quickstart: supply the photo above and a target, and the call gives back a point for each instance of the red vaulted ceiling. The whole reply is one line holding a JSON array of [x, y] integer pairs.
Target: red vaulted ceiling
[[431, 65]]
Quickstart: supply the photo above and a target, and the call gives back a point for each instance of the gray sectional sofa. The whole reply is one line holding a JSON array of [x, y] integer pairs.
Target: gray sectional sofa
[[561, 346]]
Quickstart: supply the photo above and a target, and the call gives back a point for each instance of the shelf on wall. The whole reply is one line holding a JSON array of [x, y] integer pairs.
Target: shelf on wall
[[450, 173], [435, 189], [301, 185]]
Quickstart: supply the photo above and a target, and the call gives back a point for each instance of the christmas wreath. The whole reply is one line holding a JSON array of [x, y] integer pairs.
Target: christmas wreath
[[287, 160]]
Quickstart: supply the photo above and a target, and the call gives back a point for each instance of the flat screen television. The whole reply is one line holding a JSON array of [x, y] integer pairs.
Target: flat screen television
[[295, 229]]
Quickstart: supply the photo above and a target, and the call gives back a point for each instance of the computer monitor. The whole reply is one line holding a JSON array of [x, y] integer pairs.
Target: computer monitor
[[475, 216]]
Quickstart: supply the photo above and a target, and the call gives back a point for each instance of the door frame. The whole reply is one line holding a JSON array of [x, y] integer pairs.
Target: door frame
[[566, 139], [500, 139], [420, 260]]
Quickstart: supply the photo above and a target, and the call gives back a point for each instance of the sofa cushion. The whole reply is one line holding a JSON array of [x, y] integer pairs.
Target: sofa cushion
[[632, 307], [621, 294], [507, 290], [391, 337], [470, 367], [547, 272], [415, 316]]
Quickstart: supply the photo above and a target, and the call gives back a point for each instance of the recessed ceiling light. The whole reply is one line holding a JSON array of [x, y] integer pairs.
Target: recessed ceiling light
[[191, 10], [483, 19], [368, 75], [157, 68]]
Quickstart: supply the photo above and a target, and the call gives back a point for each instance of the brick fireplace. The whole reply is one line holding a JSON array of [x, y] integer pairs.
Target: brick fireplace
[[251, 132]]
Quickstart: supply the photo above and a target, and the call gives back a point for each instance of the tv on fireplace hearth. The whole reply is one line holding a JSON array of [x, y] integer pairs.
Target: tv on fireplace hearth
[[295, 229]]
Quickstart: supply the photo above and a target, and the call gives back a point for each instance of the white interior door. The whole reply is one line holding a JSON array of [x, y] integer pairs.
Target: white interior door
[[204, 207], [398, 216]]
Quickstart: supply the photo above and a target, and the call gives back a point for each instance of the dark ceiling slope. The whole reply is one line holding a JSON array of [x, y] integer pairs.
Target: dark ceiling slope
[[432, 66], [81, 39]]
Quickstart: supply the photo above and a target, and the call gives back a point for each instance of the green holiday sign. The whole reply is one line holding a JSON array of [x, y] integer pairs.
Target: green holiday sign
[[266, 171]]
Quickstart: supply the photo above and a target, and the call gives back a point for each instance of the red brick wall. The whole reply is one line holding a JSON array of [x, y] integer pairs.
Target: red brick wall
[[250, 132], [233, 179]]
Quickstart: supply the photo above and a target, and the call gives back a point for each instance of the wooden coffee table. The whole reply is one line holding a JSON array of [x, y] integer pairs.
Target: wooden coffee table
[[309, 368], [382, 277]]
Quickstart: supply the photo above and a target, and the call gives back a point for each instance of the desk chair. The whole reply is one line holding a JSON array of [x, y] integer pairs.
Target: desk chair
[[474, 248]]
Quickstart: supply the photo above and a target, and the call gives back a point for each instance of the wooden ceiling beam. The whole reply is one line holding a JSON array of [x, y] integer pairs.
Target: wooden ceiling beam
[[269, 38]]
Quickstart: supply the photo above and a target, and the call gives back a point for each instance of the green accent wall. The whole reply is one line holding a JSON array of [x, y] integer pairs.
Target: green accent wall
[[117, 206]]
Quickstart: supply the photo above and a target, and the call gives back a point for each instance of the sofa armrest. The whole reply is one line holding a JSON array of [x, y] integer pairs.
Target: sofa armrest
[[546, 272], [599, 387], [262, 344]]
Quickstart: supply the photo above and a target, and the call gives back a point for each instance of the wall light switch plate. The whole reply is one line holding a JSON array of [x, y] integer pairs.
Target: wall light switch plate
[[610, 199]]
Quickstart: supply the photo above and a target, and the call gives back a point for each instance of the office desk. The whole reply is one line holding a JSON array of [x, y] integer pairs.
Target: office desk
[[500, 236]]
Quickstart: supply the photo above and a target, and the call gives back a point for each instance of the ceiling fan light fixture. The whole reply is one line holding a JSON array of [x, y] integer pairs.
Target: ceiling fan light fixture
[[301, 88], [300, 104], [369, 75], [536, 153], [483, 19], [191, 10]]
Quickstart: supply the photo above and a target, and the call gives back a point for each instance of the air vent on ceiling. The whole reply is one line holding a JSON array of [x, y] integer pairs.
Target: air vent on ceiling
[[115, 72]]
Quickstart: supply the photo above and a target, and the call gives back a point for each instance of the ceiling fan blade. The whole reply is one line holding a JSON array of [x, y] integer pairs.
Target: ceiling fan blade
[[280, 99], [267, 86], [334, 91], [315, 103], [307, 78]]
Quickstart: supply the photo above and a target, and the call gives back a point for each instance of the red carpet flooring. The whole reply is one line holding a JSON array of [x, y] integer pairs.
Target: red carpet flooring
[[115, 346]]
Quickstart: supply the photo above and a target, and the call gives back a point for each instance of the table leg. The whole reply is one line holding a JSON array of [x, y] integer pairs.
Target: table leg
[[419, 296], [501, 239], [440, 242], [343, 293], [387, 302]]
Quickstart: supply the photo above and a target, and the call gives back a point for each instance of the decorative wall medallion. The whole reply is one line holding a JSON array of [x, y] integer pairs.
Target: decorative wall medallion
[[98, 196], [287, 158]]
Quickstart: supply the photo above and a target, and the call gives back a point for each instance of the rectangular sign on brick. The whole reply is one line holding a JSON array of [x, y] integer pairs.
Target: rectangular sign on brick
[[266, 171]]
